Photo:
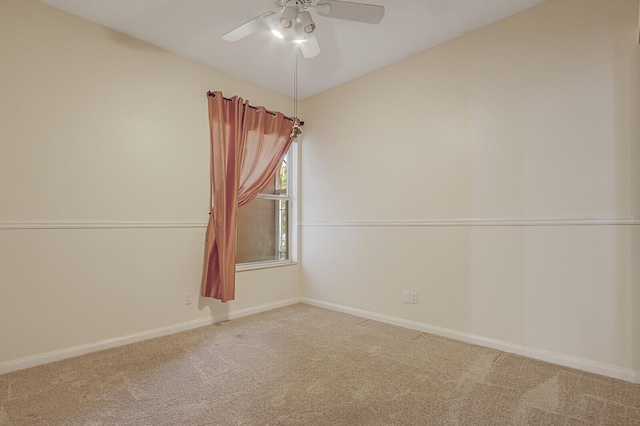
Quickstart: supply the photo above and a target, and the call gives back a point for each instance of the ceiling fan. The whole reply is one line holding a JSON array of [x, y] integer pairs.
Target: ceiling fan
[[294, 22]]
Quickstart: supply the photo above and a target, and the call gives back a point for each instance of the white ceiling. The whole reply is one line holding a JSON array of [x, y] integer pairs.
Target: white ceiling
[[193, 28]]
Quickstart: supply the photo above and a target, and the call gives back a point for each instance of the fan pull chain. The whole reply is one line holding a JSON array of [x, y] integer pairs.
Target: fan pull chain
[[297, 129]]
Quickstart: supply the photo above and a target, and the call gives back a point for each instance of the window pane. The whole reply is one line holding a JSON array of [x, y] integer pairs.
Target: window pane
[[262, 231], [278, 185]]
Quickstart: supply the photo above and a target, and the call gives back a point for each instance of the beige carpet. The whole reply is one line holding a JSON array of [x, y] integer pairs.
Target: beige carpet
[[302, 365]]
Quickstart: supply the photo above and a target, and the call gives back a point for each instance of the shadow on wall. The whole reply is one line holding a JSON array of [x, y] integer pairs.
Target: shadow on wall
[[635, 303], [219, 311], [634, 252], [130, 42]]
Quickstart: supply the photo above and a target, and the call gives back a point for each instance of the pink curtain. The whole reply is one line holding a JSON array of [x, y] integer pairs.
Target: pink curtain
[[247, 146]]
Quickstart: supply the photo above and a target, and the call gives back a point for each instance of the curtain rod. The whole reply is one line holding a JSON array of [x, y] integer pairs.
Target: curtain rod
[[213, 95]]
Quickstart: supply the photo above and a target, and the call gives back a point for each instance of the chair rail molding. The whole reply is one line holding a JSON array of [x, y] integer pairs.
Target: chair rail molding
[[605, 221], [98, 225]]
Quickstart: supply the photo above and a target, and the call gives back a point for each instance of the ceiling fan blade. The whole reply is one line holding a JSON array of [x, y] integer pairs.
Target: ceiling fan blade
[[310, 47], [256, 24], [359, 12]]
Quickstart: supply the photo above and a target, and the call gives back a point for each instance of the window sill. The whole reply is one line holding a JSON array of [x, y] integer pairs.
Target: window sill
[[240, 267]]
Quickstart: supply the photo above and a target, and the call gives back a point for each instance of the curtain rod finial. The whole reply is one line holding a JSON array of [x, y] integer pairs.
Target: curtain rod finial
[[296, 130]]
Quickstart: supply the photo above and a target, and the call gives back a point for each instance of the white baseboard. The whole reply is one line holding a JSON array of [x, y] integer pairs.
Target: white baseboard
[[262, 308], [59, 355], [564, 360], [45, 358]]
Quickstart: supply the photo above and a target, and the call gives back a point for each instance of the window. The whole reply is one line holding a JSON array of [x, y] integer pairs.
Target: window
[[264, 231]]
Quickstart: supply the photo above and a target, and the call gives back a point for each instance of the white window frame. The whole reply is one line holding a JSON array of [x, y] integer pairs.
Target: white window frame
[[292, 226]]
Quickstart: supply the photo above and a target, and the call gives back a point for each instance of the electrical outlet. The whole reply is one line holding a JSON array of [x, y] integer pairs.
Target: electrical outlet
[[413, 297], [406, 297], [187, 299]]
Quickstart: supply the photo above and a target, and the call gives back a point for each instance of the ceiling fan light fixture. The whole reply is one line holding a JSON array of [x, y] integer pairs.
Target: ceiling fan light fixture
[[289, 15], [306, 22], [299, 36], [293, 22], [286, 23]]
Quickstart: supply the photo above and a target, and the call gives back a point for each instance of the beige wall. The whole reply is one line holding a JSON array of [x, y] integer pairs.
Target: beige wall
[[531, 121], [96, 127]]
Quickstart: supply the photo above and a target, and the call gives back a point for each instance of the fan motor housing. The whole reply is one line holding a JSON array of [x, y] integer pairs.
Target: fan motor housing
[[282, 3]]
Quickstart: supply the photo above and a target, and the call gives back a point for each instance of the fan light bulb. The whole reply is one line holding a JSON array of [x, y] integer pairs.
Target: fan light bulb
[[277, 34], [289, 14], [285, 22], [307, 23]]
